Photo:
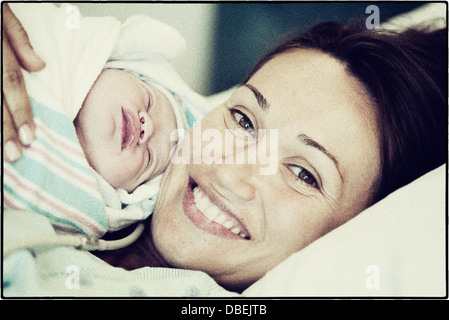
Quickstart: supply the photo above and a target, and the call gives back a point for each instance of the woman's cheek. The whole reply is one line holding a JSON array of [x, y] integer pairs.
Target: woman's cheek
[[295, 220]]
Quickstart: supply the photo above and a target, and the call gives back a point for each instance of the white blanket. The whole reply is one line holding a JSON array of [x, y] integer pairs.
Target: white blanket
[[75, 48]]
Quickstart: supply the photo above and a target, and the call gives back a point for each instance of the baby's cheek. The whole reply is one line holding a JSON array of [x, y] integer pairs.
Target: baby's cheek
[[119, 174]]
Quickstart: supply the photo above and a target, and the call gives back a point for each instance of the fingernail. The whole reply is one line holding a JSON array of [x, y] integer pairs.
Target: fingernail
[[34, 62], [12, 151], [25, 135], [39, 62]]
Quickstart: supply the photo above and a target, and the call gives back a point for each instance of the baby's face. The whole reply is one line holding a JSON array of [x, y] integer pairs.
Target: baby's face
[[124, 128]]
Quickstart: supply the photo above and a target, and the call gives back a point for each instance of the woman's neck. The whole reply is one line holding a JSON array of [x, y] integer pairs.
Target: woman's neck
[[141, 253]]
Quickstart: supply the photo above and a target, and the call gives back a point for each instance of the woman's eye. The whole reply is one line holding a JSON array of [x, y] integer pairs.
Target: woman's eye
[[243, 121], [304, 175]]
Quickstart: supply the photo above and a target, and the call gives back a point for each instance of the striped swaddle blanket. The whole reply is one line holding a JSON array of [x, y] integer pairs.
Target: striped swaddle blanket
[[54, 178]]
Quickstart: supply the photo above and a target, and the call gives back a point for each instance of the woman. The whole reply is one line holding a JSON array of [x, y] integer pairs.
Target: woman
[[345, 141], [358, 114]]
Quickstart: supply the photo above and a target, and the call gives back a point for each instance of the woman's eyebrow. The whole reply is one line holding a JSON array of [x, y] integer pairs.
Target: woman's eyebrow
[[312, 143], [264, 105]]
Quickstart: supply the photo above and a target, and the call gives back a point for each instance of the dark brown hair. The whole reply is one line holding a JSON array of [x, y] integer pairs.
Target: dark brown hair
[[406, 75]]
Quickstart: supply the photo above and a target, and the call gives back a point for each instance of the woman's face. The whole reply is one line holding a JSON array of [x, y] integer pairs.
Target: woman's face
[[235, 223]]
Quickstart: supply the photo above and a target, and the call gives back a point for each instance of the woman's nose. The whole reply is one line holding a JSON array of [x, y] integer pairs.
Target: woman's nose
[[146, 127], [234, 181]]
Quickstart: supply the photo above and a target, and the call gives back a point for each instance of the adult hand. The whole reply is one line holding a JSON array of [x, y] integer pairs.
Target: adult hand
[[18, 124]]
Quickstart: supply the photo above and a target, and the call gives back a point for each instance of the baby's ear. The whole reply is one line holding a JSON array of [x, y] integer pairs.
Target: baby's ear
[[141, 36]]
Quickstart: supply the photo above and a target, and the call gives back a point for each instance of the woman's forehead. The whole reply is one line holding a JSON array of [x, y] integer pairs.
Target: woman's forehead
[[303, 71], [303, 83], [311, 93]]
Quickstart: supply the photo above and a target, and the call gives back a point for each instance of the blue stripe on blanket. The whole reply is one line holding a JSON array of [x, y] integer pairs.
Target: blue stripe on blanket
[[54, 150], [62, 189], [190, 118], [47, 166], [53, 119], [39, 210]]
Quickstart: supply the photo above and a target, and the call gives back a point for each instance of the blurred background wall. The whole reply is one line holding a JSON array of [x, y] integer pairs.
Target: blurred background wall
[[194, 21], [224, 40]]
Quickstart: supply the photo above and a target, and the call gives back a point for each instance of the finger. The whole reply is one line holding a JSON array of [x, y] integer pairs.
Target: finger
[[11, 148], [19, 41], [15, 96]]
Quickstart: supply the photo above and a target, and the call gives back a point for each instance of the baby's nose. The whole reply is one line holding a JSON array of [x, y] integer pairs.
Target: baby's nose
[[146, 127]]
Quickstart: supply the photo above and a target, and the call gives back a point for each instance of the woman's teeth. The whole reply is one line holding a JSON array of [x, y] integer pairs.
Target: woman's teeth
[[215, 214]]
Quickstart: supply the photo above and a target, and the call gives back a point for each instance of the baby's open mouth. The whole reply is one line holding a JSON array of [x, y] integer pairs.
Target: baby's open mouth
[[130, 130]]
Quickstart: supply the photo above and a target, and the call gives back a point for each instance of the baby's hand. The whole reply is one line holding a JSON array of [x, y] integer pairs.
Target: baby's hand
[[18, 125]]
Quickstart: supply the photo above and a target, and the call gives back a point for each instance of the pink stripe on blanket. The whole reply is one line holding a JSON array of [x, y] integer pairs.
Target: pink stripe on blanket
[[59, 141], [92, 184], [7, 201], [38, 196]]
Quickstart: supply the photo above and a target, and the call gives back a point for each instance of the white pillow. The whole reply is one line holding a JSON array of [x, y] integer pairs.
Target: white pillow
[[394, 248]]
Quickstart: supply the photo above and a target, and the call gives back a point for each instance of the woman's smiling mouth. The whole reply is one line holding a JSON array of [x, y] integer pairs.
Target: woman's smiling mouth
[[211, 215]]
